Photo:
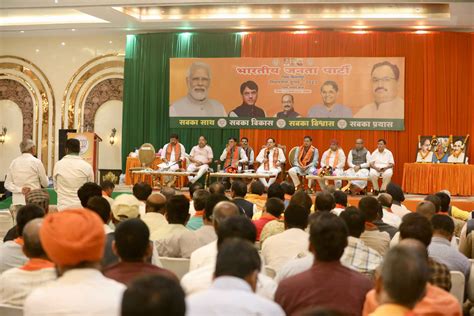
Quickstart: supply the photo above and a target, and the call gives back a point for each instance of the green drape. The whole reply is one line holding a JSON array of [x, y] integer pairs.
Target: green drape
[[146, 87]]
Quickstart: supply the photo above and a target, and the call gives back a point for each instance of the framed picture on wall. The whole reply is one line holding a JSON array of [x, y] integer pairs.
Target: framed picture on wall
[[442, 149]]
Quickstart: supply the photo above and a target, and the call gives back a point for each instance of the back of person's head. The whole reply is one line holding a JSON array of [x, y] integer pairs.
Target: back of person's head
[[217, 188], [236, 227], [410, 288], [325, 202], [426, 208], [193, 187], [223, 210], [125, 206], [435, 200], [296, 216], [443, 225], [101, 207], [73, 146], [417, 227], [177, 210], [302, 199], [107, 185], [275, 191], [211, 202], [369, 206], [25, 214], [249, 262], [385, 200], [445, 201], [200, 198], [274, 206], [288, 187], [168, 192], [26, 146], [31, 240], [142, 191], [239, 188], [257, 187], [355, 222], [39, 197], [153, 295], [396, 192], [156, 203], [132, 240], [88, 190], [328, 237], [340, 198]]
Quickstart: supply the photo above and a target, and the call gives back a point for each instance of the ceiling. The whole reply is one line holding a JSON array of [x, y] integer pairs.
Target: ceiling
[[59, 17]]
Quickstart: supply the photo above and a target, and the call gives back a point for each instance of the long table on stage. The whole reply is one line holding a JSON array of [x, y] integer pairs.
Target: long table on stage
[[244, 175], [345, 178], [156, 173], [429, 178], [134, 162]]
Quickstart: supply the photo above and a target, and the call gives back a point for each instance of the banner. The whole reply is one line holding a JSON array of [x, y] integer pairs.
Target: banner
[[351, 93]]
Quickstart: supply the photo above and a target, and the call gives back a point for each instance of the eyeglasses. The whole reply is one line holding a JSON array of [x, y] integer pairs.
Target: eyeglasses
[[384, 79]]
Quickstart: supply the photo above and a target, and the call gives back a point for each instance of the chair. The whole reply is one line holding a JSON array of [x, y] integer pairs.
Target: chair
[[457, 288], [179, 266], [270, 272], [146, 155], [6, 223], [8, 310], [470, 283]]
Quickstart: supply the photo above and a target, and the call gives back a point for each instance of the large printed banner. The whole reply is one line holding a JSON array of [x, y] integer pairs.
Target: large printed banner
[[344, 93]]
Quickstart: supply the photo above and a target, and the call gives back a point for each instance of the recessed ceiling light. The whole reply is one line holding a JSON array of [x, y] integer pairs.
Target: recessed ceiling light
[[22, 31], [110, 42], [37, 50], [359, 32], [73, 30], [422, 32], [63, 44], [300, 32]]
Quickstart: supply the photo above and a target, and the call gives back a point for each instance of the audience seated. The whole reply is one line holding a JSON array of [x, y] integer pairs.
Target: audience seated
[[168, 192], [231, 227], [88, 190], [340, 198], [174, 239], [17, 283], [133, 247], [440, 248], [234, 282], [107, 190], [452, 210], [199, 197], [274, 191], [256, 196], [74, 241], [435, 301], [273, 209], [221, 208], [155, 210], [372, 236], [397, 198], [303, 199], [290, 244], [435, 200], [382, 226], [217, 188], [100, 206], [343, 291], [388, 217], [324, 202], [193, 187], [11, 254], [153, 295], [142, 191], [206, 234], [238, 190], [289, 189]]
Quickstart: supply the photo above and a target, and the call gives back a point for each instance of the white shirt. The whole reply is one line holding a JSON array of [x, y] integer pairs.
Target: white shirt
[[174, 240], [377, 240], [393, 109], [294, 267], [25, 171], [281, 157], [187, 106], [337, 211], [11, 256], [205, 234], [391, 218], [77, 292], [201, 279], [382, 159], [230, 296], [364, 165], [154, 221], [173, 154], [69, 174], [203, 155], [201, 257], [332, 156], [400, 210], [16, 284], [281, 248]]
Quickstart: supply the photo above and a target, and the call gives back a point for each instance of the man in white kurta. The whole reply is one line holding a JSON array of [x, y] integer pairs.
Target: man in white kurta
[[200, 157], [25, 173], [358, 161], [381, 165], [387, 104], [69, 174], [196, 102], [270, 158], [335, 158], [305, 161]]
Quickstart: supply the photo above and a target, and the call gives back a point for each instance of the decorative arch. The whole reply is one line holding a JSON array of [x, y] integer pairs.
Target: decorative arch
[[14, 91]]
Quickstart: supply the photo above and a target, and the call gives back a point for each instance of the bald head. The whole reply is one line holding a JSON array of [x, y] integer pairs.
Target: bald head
[[32, 243], [223, 210], [426, 209], [414, 245], [156, 203]]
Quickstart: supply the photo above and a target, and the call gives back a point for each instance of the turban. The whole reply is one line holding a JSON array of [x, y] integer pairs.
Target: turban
[[73, 236]]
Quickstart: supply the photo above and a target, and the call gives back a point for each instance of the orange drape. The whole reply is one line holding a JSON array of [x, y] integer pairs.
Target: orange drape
[[439, 84]]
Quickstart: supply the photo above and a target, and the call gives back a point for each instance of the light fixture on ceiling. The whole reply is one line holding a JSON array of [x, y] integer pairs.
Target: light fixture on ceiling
[[422, 32], [73, 30], [112, 136], [359, 32], [63, 44], [3, 135], [22, 31]]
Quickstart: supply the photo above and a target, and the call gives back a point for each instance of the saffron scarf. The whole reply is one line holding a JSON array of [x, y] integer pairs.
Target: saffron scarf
[[304, 161], [232, 157], [177, 151], [35, 264], [336, 159], [276, 151]]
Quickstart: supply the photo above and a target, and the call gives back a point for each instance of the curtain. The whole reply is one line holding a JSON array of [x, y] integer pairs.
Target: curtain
[[146, 87], [439, 97]]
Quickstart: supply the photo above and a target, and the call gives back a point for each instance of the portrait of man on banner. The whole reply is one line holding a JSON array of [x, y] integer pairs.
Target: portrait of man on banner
[[441, 146], [425, 151], [458, 150]]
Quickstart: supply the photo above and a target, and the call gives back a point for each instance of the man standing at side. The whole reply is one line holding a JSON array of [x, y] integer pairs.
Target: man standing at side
[[248, 108], [305, 161], [381, 165], [69, 174], [358, 161], [200, 157]]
